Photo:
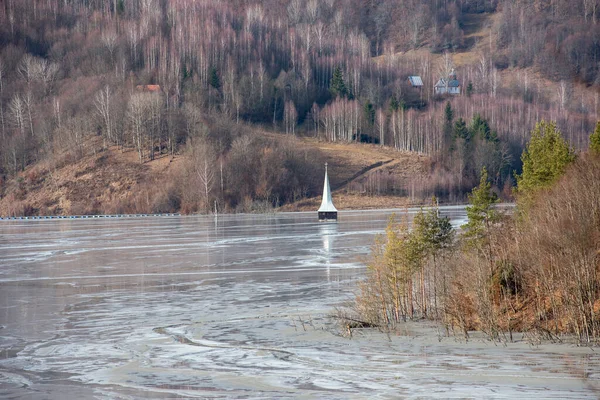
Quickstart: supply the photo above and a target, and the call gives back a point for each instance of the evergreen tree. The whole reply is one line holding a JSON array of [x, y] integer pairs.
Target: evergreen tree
[[213, 78], [545, 159], [460, 130], [480, 128], [394, 104], [432, 236], [369, 113], [595, 140], [121, 7], [448, 119], [448, 115], [338, 86], [469, 89], [481, 213], [435, 232]]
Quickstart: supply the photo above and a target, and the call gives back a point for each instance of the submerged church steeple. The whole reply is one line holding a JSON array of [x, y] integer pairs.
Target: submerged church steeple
[[327, 211]]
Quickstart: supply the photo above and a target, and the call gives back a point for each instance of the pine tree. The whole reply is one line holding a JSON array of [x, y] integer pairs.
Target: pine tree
[[213, 78], [394, 104], [448, 115], [595, 141], [121, 7], [481, 213], [469, 89], [432, 236], [448, 119], [338, 87], [545, 159], [435, 232], [369, 113], [460, 130]]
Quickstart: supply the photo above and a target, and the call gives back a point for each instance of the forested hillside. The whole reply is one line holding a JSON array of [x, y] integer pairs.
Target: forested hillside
[[201, 80]]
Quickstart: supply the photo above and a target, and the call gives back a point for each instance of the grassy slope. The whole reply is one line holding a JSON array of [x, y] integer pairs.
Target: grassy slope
[[348, 160], [101, 180], [92, 184]]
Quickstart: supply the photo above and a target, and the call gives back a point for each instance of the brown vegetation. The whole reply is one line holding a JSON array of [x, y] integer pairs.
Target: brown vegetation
[[158, 77], [111, 181], [537, 271]]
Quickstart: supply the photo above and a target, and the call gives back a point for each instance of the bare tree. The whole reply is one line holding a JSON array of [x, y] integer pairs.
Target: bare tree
[[204, 168], [201, 172], [33, 68], [483, 68], [590, 9], [30, 69], [294, 11], [381, 20], [56, 109], [109, 40], [28, 101], [102, 102], [137, 115], [320, 30], [16, 109], [305, 32], [72, 134], [1, 102], [155, 107], [416, 24], [194, 126], [49, 73], [314, 112], [134, 39], [290, 116], [312, 11], [381, 124], [564, 94], [446, 65], [495, 82], [261, 78]]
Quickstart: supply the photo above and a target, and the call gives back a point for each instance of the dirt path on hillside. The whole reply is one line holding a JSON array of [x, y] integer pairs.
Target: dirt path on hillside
[[363, 171]]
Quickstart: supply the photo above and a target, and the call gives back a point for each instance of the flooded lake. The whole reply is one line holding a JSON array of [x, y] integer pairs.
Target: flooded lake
[[234, 307]]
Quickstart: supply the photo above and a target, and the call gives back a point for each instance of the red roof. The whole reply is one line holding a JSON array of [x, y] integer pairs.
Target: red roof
[[148, 88]]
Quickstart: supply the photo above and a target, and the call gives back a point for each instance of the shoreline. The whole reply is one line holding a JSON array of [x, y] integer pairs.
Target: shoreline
[[281, 210], [428, 331]]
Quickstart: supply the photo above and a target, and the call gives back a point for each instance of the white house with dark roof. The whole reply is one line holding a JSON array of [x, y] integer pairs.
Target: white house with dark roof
[[449, 85]]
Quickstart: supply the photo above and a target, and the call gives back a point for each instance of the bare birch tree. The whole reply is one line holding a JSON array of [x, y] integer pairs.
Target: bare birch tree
[[2, 125], [381, 125], [109, 40], [290, 116], [204, 169], [102, 102], [28, 101], [138, 116], [16, 109]]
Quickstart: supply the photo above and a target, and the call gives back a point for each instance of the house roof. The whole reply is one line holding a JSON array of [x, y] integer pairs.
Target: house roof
[[415, 80], [443, 83], [148, 88]]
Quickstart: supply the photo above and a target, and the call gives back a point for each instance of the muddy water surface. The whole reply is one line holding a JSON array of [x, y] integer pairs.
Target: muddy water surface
[[234, 307]]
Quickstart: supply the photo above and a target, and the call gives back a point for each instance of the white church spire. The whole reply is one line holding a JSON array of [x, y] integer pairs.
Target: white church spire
[[327, 211]]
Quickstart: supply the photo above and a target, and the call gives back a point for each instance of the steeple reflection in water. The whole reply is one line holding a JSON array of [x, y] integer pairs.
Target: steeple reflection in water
[[328, 233]]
